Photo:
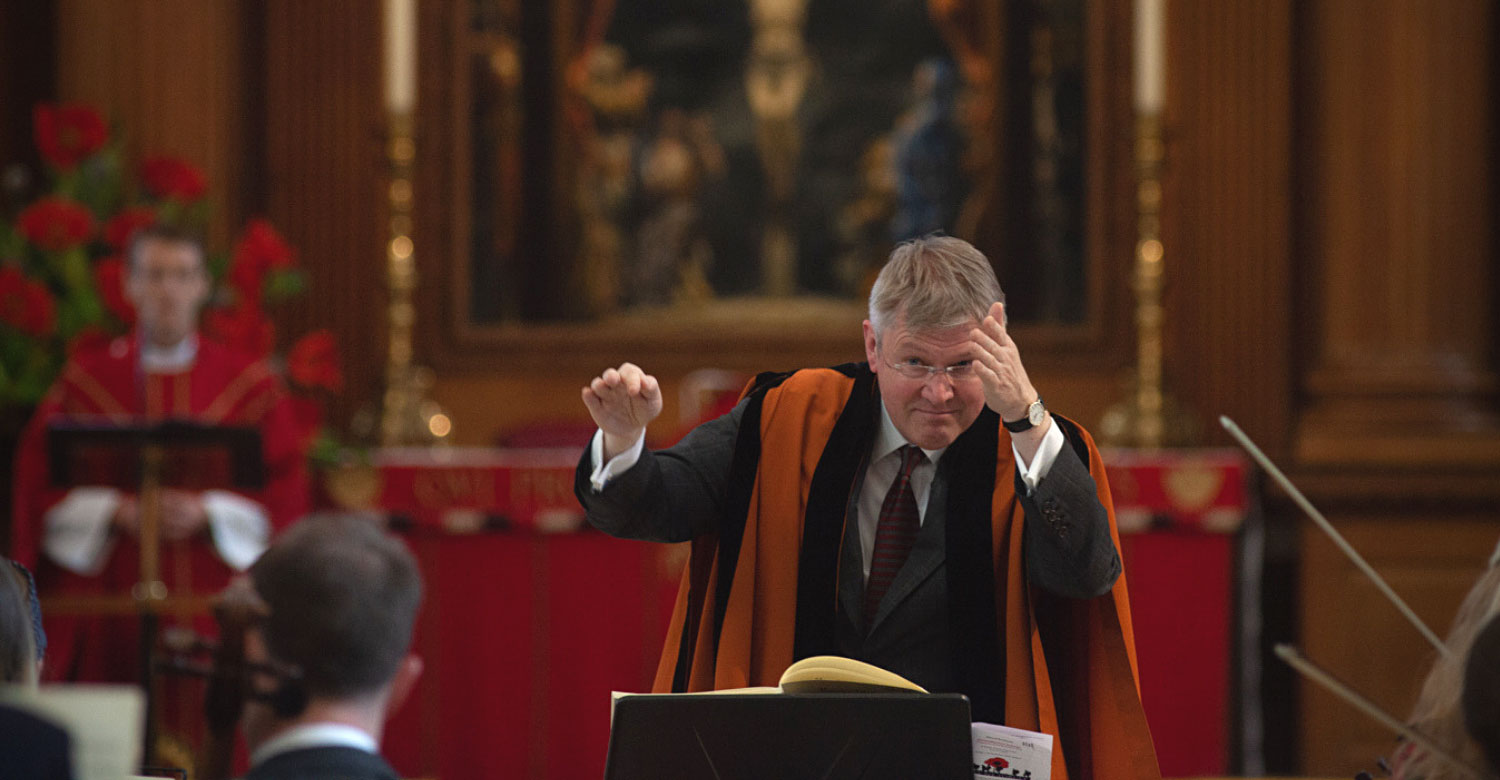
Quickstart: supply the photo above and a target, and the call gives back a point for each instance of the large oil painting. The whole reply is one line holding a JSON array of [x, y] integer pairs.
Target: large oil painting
[[661, 156]]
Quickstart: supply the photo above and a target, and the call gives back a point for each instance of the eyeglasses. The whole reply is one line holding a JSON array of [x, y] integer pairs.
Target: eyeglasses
[[916, 369]]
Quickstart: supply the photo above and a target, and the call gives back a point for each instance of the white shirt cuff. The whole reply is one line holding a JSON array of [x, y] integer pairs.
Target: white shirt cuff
[[239, 526], [76, 530], [619, 464], [1052, 443]]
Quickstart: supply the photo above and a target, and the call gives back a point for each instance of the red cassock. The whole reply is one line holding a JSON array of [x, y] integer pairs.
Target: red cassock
[[220, 387]]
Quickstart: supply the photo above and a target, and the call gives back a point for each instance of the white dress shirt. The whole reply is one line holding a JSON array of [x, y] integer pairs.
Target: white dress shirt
[[314, 735]]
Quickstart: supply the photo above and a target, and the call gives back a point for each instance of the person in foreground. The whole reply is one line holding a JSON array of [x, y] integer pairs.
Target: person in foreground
[[32, 747], [83, 541], [1458, 681], [341, 599], [922, 511]]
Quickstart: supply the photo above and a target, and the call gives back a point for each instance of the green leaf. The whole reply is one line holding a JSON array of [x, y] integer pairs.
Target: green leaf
[[102, 184], [12, 245], [73, 267], [218, 265], [281, 285]]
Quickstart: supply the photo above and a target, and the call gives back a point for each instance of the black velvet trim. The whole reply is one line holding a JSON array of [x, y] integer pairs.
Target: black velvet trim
[[700, 563], [823, 523], [1073, 437], [1062, 624], [978, 644], [731, 534], [742, 471]]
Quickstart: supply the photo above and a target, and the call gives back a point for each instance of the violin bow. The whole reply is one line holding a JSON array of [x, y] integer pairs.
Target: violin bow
[[1338, 538], [1337, 687]]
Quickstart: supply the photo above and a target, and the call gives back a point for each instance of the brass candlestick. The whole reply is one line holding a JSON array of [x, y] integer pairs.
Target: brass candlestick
[[1147, 417], [407, 416]]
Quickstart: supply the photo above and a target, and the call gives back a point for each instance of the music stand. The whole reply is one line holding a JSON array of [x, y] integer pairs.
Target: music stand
[[814, 736], [139, 456]]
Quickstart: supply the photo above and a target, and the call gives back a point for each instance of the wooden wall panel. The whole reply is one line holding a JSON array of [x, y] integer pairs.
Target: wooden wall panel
[[27, 69], [1226, 214], [1399, 164], [1397, 435], [323, 169], [171, 74], [1431, 560]]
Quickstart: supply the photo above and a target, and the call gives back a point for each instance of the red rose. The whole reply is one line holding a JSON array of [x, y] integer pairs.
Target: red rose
[[109, 280], [313, 362], [26, 305], [243, 328], [259, 249], [68, 133], [171, 178], [120, 227], [263, 247], [56, 224]]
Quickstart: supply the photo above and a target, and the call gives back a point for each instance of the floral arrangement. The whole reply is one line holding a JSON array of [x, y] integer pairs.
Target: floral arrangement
[[62, 267]]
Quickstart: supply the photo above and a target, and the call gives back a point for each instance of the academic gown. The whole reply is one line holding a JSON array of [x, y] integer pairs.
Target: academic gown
[[761, 591]]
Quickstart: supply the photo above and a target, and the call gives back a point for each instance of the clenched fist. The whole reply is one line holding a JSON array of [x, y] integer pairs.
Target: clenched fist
[[622, 401]]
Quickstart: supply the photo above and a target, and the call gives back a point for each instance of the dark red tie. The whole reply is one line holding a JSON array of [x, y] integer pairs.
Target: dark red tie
[[895, 534]]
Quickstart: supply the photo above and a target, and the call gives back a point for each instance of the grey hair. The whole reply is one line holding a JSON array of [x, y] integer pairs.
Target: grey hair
[[936, 282]]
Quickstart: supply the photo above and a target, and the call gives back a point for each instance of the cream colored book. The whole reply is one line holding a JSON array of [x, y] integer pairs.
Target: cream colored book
[[817, 674]]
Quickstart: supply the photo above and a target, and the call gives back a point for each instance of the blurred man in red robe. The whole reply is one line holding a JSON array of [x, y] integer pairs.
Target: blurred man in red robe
[[82, 540]]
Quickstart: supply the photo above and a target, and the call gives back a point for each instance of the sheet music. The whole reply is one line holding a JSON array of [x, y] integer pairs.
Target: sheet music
[[104, 724], [1001, 751]]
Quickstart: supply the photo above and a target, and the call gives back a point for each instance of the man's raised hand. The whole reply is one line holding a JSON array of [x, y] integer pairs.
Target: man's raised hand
[[622, 401], [1007, 389]]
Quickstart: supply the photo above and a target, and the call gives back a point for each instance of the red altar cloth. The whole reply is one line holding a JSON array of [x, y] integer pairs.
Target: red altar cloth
[[529, 621], [1179, 513], [524, 636]]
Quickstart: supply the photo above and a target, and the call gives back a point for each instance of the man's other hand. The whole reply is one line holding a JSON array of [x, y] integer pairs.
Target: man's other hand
[[183, 515], [623, 402]]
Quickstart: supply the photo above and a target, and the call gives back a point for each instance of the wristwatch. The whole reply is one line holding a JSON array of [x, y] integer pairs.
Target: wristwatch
[[1035, 413]]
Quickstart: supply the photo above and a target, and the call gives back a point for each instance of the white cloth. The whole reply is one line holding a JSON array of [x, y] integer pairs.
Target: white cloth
[[881, 470], [165, 360], [313, 735], [75, 532]]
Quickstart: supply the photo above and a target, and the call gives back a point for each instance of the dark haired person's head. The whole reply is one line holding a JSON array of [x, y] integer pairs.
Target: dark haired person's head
[[21, 637], [1481, 696], [342, 597], [167, 282]]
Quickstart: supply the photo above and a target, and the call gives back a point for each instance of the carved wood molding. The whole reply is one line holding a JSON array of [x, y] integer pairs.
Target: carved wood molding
[[1398, 168]]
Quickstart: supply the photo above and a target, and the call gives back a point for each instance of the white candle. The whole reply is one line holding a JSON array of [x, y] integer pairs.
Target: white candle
[[1150, 56], [400, 55]]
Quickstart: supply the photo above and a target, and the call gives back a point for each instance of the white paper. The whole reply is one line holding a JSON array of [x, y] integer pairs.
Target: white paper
[[104, 724], [1001, 751]]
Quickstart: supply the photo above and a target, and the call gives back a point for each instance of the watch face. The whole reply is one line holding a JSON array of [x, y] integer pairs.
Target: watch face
[[1036, 412]]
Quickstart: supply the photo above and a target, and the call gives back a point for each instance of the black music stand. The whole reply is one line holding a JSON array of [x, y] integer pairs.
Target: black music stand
[[146, 456], [813, 736]]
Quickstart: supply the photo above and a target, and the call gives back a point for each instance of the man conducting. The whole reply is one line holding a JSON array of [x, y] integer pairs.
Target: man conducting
[[341, 600], [83, 541], [923, 512]]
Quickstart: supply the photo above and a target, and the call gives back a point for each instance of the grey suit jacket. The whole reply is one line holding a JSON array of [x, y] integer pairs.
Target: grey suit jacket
[[677, 494]]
